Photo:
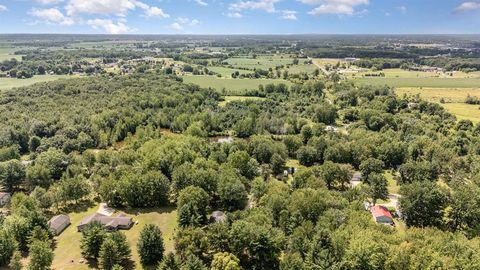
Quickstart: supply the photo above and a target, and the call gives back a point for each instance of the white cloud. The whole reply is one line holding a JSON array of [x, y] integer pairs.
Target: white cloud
[[181, 22], [467, 6], [194, 22], [104, 7], [266, 5], [338, 7], [156, 12], [48, 2], [109, 26], [176, 26], [201, 2], [403, 9], [51, 15], [289, 15], [235, 15], [3, 8]]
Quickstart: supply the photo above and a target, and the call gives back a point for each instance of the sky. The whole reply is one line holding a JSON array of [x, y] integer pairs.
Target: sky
[[240, 16]]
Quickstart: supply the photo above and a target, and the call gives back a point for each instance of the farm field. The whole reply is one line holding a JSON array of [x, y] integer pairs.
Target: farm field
[[436, 94], [401, 73], [231, 86], [8, 83], [227, 72], [454, 99], [7, 53], [421, 82], [68, 243], [464, 111], [261, 62]]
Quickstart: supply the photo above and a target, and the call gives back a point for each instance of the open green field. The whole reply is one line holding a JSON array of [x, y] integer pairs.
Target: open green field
[[8, 83], [421, 82], [464, 111], [68, 243], [7, 53], [229, 99], [261, 62], [401, 73], [227, 72], [231, 86], [301, 68], [449, 95]]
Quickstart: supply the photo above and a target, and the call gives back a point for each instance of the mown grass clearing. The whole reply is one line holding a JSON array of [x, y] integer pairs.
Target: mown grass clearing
[[8, 83], [229, 99], [227, 72], [236, 87], [261, 62], [421, 82], [450, 95], [7, 53], [68, 243], [464, 111]]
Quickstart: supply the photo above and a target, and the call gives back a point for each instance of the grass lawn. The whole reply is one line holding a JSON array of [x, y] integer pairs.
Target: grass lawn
[[231, 86], [393, 187], [68, 243], [8, 83], [301, 68], [7, 53], [227, 72], [261, 62], [236, 98], [421, 82], [435, 94], [464, 111]]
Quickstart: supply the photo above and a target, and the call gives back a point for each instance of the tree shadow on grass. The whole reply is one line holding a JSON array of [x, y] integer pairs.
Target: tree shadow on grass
[[79, 207], [137, 211]]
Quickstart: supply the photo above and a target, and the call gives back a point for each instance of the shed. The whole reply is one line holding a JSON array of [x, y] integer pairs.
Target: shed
[[57, 224], [382, 215]]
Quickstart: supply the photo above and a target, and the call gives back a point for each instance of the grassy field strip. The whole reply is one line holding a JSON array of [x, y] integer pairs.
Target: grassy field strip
[[8, 83], [7, 53], [454, 99], [454, 95], [227, 72], [68, 243], [464, 111], [231, 86], [421, 82]]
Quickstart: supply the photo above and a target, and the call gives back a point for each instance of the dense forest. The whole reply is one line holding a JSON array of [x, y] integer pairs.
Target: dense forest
[[312, 222]]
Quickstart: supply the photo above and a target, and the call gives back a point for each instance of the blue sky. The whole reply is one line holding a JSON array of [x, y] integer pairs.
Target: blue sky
[[240, 16]]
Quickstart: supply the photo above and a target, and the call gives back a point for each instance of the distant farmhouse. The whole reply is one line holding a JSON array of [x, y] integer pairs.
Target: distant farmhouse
[[121, 222], [382, 215], [4, 198], [57, 224]]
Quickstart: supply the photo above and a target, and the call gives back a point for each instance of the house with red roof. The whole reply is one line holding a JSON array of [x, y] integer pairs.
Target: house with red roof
[[381, 215]]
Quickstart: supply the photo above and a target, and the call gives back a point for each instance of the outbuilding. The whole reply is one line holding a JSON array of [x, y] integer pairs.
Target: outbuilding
[[57, 224], [381, 215]]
